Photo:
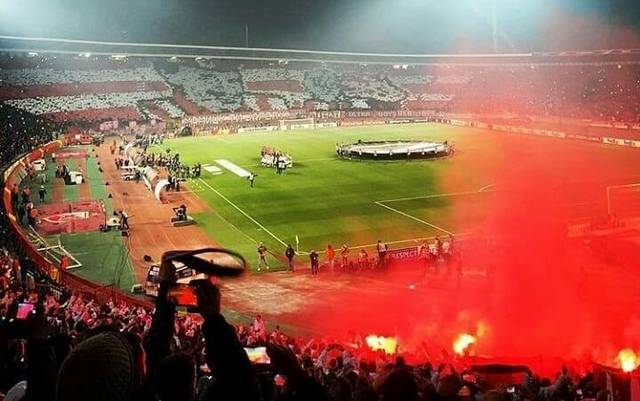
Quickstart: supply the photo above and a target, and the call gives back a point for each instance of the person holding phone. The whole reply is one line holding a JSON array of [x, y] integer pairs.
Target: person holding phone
[[224, 355]]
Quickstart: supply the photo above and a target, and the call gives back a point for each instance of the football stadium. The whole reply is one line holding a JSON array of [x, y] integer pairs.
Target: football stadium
[[287, 201]]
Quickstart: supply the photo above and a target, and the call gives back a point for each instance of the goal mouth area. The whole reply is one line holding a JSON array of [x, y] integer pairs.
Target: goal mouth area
[[394, 150]]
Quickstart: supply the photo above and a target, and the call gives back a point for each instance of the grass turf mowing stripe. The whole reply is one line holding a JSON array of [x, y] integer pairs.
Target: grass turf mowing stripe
[[104, 258], [206, 184], [71, 192], [323, 199], [232, 237], [414, 218]]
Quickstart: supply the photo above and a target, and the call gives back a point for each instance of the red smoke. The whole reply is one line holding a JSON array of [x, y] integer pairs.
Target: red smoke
[[545, 295]]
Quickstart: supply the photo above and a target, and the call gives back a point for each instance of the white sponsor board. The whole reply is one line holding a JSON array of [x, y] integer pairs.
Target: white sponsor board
[[326, 125], [258, 129], [297, 126], [459, 123], [621, 142]]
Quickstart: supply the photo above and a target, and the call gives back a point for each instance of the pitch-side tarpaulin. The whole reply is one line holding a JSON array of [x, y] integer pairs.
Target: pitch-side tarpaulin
[[159, 187]]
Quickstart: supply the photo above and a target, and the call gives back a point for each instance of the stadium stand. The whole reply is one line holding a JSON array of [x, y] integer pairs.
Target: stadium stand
[[72, 347], [96, 346], [20, 132], [65, 88], [86, 337], [215, 91]]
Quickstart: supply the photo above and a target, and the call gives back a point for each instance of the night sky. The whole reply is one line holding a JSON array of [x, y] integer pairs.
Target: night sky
[[420, 26]]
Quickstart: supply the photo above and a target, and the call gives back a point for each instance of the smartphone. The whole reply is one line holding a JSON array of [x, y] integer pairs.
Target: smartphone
[[258, 355], [24, 309], [183, 295], [204, 262]]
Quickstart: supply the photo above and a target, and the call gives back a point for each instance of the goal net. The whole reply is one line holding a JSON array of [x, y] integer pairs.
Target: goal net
[[297, 123], [624, 200]]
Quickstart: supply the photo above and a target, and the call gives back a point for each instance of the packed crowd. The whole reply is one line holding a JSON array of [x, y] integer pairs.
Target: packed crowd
[[60, 344], [20, 132], [141, 88]]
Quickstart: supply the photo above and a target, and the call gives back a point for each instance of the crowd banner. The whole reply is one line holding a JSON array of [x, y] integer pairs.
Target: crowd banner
[[257, 116], [609, 140], [222, 118]]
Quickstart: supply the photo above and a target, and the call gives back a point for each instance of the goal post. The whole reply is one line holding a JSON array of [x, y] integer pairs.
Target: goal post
[[52, 252], [623, 200], [297, 123]]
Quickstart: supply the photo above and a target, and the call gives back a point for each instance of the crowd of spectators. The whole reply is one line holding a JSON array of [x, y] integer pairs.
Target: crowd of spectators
[[66, 345], [594, 90], [57, 343], [60, 343], [20, 132]]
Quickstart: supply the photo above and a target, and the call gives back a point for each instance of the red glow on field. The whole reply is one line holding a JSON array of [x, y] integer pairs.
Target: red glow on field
[[628, 360], [462, 343], [533, 289], [388, 344]]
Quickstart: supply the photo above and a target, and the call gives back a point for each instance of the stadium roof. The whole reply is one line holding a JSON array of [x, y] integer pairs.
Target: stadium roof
[[32, 45], [380, 26]]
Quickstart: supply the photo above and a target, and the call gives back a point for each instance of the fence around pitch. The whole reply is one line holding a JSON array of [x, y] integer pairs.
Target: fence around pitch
[[13, 175]]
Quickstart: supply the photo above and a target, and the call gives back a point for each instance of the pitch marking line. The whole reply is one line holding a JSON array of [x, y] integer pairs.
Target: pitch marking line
[[483, 189], [426, 223], [243, 212], [445, 195], [194, 185]]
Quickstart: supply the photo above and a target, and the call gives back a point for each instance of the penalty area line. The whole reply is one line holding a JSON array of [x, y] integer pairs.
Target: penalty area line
[[484, 189], [404, 241], [245, 214], [414, 218]]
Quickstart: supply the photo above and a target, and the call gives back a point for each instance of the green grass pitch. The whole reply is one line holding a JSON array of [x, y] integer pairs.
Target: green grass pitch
[[325, 200]]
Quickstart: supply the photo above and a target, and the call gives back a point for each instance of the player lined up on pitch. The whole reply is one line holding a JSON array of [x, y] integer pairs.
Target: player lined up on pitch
[[431, 255]]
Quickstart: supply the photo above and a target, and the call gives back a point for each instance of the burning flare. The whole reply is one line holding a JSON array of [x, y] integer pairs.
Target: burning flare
[[628, 360], [388, 344], [462, 342]]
